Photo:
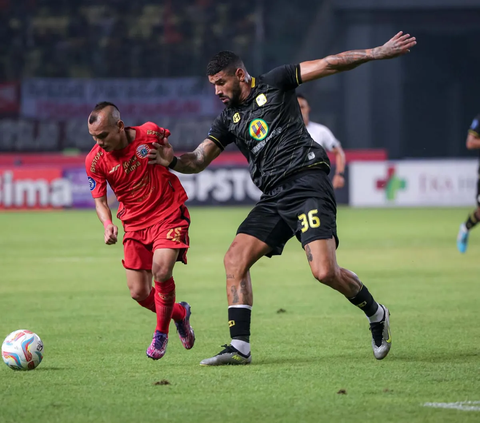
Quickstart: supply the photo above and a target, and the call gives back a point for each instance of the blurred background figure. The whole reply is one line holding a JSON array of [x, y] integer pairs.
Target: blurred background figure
[[473, 143], [323, 136]]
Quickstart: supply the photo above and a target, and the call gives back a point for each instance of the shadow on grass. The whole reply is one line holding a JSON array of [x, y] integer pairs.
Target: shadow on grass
[[296, 361], [443, 357], [48, 369]]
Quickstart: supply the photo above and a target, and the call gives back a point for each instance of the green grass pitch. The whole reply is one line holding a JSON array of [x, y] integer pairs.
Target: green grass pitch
[[59, 280]]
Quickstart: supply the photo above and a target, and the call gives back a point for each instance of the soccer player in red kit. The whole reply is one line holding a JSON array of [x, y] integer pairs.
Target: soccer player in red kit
[[151, 208]]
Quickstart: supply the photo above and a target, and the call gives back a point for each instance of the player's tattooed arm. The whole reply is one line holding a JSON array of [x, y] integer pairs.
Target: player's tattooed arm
[[194, 162], [199, 159], [398, 45]]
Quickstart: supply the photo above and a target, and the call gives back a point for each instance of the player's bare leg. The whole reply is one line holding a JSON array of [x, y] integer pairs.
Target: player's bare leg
[[464, 231], [164, 260], [244, 251], [139, 283], [321, 256]]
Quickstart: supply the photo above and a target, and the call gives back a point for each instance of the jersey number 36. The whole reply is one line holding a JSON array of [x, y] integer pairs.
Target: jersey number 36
[[309, 220]]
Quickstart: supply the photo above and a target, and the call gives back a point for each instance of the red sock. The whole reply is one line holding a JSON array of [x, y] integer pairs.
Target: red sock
[[149, 302], [164, 303], [179, 312]]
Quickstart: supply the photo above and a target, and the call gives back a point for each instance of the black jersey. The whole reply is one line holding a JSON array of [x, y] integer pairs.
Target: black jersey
[[268, 129], [475, 127]]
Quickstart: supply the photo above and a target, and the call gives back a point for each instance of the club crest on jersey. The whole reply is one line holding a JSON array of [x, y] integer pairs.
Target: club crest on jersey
[[261, 99], [258, 129], [92, 183], [142, 151], [236, 118]]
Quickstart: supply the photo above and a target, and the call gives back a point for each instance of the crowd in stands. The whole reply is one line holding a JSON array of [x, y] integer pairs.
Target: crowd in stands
[[141, 38]]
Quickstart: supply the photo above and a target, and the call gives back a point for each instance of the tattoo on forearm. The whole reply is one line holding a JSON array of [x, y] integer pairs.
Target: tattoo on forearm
[[350, 59], [309, 253], [191, 162], [200, 153], [234, 292], [230, 276]]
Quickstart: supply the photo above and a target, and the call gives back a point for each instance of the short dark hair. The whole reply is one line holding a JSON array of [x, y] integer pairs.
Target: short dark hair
[[224, 61], [100, 106]]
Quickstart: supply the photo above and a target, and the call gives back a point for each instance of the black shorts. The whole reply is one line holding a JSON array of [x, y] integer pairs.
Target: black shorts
[[302, 205]]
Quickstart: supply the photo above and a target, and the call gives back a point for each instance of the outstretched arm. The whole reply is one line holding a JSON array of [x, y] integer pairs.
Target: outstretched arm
[[193, 162], [399, 45]]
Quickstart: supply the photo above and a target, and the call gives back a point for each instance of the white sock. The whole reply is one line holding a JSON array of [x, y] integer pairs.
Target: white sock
[[378, 316], [242, 346]]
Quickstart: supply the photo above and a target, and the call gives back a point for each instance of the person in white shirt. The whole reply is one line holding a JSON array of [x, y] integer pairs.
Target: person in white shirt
[[323, 136]]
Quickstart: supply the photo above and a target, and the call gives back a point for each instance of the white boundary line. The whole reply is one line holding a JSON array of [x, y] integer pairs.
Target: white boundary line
[[460, 405]]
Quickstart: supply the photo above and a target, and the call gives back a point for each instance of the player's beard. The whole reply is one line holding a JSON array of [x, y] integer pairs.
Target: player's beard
[[234, 99]]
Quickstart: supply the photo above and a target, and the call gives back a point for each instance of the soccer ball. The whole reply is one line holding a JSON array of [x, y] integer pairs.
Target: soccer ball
[[22, 350]]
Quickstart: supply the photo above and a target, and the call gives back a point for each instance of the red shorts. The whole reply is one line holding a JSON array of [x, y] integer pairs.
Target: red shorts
[[138, 246]]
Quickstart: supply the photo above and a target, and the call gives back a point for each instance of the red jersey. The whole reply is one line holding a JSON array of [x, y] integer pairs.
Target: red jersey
[[147, 193]]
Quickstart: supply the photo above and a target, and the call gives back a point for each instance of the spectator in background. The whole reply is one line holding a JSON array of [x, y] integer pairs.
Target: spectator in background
[[473, 143], [87, 39], [323, 136]]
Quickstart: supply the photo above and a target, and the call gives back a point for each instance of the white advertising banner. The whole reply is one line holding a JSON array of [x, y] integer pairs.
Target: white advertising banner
[[65, 98], [220, 186], [414, 183]]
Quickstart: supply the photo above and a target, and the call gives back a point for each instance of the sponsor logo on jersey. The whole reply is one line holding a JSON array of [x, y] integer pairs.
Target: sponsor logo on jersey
[[131, 165], [142, 151], [156, 133], [236, 118], [114, 168], [262, 144], [261, 99], [92, 183], [258, 129], [95, 160]]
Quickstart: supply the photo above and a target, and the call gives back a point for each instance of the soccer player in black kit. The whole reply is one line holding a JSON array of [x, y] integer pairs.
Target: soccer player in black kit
[[263, 119]]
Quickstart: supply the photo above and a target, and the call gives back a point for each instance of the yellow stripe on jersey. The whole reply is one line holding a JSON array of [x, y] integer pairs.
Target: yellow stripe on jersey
[[216, 141], [253, 82], [319, 163], [296, 74]]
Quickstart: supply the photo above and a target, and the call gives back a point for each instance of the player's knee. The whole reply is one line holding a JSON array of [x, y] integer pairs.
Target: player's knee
[[234, 262], [140, 293], [161, 273], [326, 274]]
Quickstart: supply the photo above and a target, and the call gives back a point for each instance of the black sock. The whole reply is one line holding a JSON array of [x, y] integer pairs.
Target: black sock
[[472, 221], [239, 323], [365, 301]]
